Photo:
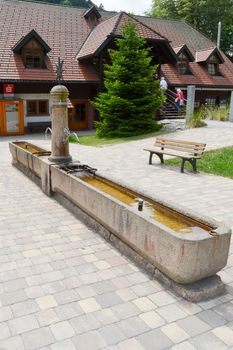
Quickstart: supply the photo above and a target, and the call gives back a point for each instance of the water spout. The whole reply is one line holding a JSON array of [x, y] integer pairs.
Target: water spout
[[46, 132], [68, 134]]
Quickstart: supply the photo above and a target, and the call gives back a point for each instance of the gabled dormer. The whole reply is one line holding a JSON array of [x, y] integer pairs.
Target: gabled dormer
[[33, 50], [92, 16], [183, 57], [211, 58]]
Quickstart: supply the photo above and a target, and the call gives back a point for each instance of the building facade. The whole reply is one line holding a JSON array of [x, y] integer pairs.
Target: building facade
[[34, 35]]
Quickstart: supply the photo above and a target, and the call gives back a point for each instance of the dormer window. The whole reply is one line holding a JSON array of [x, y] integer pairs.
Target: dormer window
[[213, 65], [184, 56], [33, 50], [183, 64], [210, 58]]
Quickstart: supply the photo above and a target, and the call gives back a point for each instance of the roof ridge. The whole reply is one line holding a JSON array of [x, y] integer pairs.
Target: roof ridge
[[47, 3], [118, 20], [162, 36]]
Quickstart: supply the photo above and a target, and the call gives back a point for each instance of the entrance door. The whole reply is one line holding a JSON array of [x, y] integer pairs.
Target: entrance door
[[78, 115], [12, 118]]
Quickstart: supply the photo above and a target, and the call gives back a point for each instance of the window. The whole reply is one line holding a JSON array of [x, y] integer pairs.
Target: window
[[210, 101], [37, 108], [212, 68], [213, 65], [182, 67], [34, 60], [183, 64]]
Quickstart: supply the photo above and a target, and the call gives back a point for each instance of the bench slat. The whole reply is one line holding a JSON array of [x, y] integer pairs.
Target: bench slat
[[190, 150], [170, 153], [162, 139]]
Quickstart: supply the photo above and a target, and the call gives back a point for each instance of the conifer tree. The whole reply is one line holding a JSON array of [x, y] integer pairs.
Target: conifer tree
[[132, 95]]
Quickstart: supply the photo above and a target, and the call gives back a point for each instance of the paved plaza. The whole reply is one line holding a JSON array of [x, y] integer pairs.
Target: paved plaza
[[63, 287]]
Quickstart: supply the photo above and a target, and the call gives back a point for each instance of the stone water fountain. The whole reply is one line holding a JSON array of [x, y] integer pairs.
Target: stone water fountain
[[185, 255]]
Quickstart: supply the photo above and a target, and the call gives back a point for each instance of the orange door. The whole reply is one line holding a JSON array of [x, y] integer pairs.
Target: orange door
[[12, 118], [78, 115]]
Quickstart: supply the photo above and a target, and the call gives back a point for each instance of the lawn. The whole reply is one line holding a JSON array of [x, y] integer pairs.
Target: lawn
[[217, 162], [98, 142]]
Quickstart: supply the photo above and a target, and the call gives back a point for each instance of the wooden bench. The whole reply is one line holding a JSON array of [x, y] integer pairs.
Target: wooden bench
[[38, 125], [186, 150]]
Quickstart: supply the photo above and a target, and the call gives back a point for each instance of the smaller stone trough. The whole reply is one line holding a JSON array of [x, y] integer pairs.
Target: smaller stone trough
[[184, 252]]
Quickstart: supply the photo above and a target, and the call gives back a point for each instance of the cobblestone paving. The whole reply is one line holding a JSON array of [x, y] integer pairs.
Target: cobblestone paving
[[62, 287]]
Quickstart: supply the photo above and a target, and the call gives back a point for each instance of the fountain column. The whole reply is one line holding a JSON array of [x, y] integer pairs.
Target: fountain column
[[60, 145]]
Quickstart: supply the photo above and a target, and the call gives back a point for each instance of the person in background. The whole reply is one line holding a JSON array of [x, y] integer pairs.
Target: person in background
[[179, 99], [163, 84]]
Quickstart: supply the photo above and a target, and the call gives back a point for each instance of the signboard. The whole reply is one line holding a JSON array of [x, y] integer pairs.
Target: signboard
[[8, 90]]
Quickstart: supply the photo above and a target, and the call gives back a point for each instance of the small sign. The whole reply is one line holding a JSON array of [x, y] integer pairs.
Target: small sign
[[8, 90]]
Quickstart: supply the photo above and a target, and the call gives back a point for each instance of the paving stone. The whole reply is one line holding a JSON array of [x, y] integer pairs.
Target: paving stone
[[225, 310], [62, 330], [46, 302], [89, 341], [5, 313], [12, 343], [184, 346], [193, 325], [63, 345], [108, 300], [112, 334], [47, 317], [171, 312], [212, 318], [162, 298], [103, 287], [132, 327], [152, 319], [125, 310], [208, 341], [66, 296], [154, 339], [126, 294], [89, 305], [13, 297], [144, 304], [68, 311], [4, 331], [174, 332], [105, 316], [23, 324], [84, 323], [225, 334], [130, 344], [37, 338], [25, 308]]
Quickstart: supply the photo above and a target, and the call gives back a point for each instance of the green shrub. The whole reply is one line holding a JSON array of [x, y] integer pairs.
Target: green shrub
[[196, 120], [217, 113]]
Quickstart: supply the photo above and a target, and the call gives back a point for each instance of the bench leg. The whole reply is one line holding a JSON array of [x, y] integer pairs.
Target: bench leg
[[193, 162], [150, 158], [157, 154]]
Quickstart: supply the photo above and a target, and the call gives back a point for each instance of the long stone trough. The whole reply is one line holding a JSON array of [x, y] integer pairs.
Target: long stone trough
[[185, 259]]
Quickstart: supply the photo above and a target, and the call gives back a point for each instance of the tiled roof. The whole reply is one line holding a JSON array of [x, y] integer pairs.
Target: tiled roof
[[200, 75], [113, 27], [66, 32], [62, 28], [202, 56]]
